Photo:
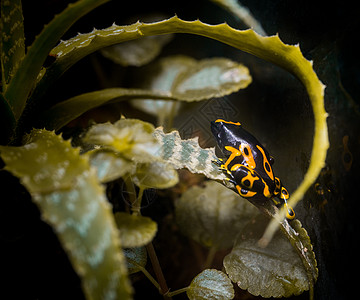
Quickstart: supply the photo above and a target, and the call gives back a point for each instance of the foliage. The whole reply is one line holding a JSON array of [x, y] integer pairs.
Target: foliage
[[68, 183]]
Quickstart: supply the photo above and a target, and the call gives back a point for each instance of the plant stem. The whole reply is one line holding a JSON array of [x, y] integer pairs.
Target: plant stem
[[158, 271], [130, 190], [146, 273], [136, 205], [177, 292]]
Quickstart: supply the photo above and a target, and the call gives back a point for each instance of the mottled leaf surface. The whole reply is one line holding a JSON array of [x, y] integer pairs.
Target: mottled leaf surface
[[273, 271], [109, 165], [131, 138], [210, 284], [208, 78], [157, 174], [71, 200], [161, 76], [187, 154], [136, 259], [213, 215]]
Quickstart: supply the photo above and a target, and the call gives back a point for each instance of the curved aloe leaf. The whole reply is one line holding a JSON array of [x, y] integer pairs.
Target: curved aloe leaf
[[270, 48], [64, 112], [24, 79], [65, 188]]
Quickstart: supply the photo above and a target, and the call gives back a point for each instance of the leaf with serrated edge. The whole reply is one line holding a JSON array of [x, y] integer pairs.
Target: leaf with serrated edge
[[214, 77], [213, 215], [135, 231], [187, 154], [274, 271], [162, 76], [210, 284], [71, 200]]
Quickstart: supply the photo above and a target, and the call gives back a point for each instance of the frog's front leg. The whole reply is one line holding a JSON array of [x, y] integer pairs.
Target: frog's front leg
[[220, 164]]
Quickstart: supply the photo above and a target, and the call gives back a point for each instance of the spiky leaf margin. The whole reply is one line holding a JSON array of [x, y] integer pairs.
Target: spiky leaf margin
[[187, 154]]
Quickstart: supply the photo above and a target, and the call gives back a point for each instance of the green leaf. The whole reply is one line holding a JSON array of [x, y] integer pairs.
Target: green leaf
[[131, 138], [64, 112], [135, 231], [71, 200], [270, 48], [25, 77], [210, 284], [136, 259], [215, 77], [138, 52], [51, 163], [273, 271], [109, 165], [160, 77], [157, 174], [12, 39], [187, 154], [213, 215]]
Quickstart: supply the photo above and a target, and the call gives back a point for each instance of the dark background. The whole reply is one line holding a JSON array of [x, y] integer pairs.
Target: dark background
[[276, 109]]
